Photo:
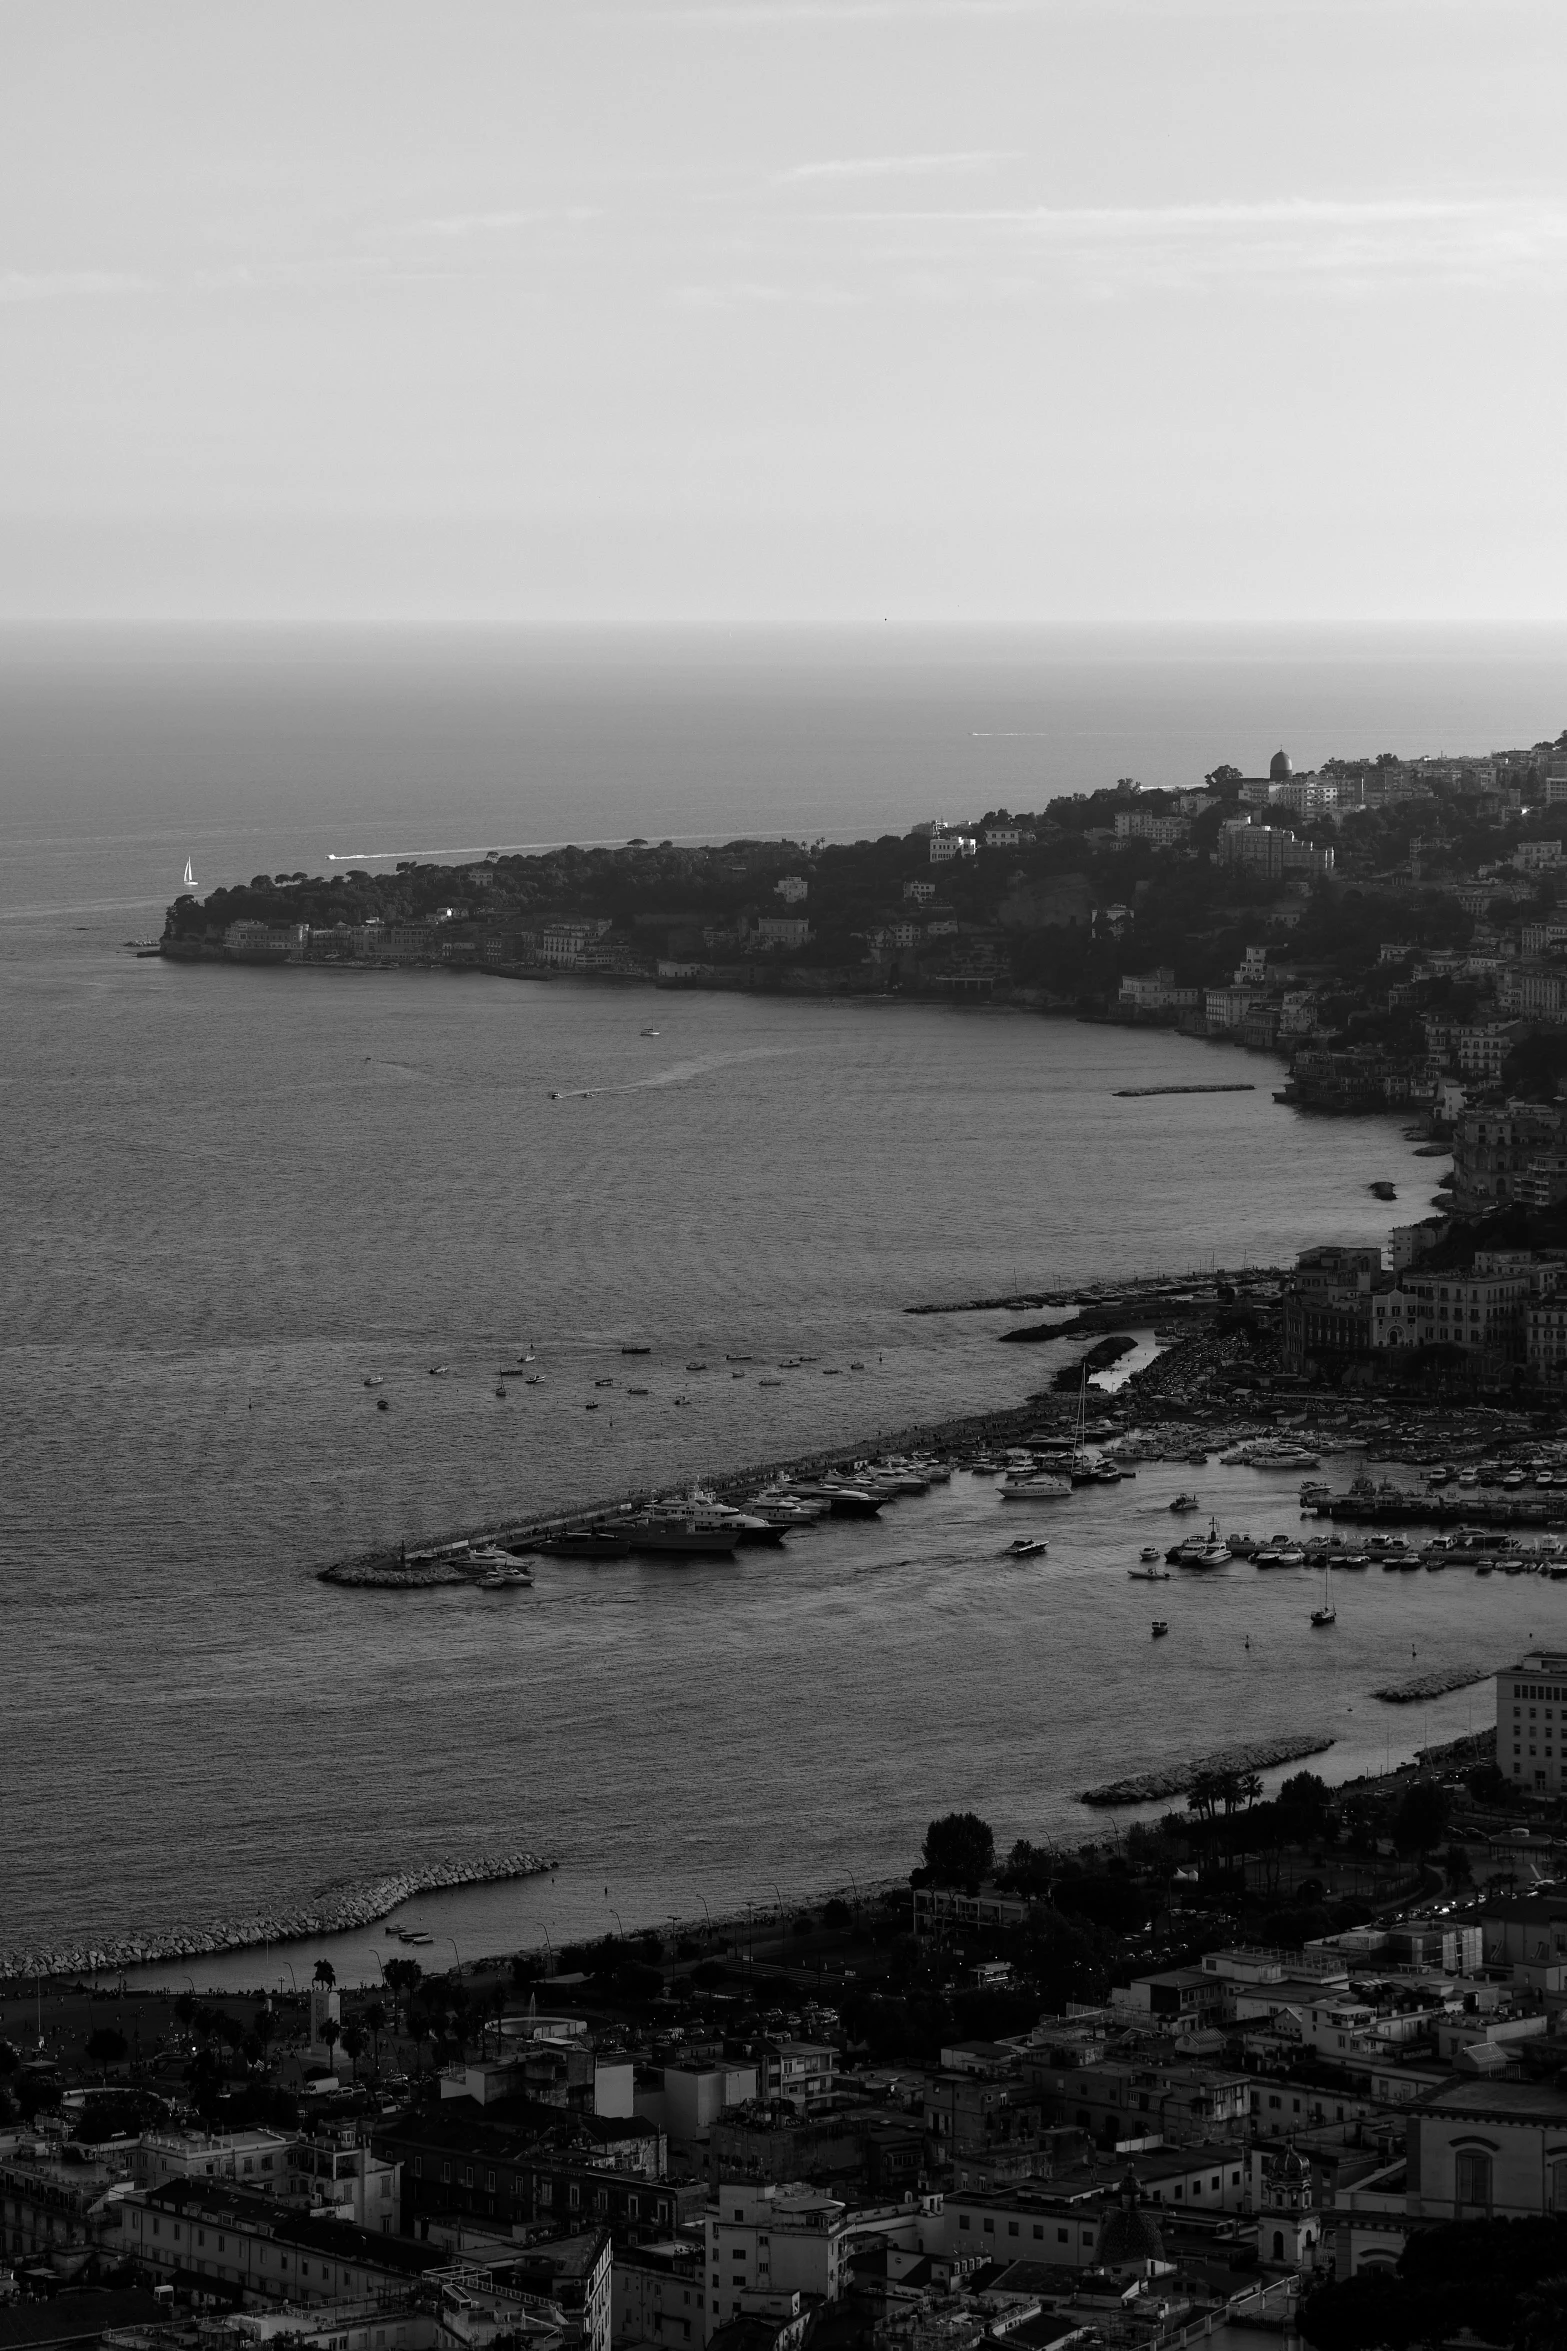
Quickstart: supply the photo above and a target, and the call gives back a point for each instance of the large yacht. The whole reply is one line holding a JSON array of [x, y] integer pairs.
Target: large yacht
[[683, 1526]]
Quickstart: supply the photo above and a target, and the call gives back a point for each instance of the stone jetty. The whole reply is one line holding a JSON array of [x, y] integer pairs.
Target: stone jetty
[[1148, 1786], [1433, 1685], [331, 1913]]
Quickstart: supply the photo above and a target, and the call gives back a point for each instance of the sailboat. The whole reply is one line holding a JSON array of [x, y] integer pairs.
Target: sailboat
[[190, 878], [1327, 1613]]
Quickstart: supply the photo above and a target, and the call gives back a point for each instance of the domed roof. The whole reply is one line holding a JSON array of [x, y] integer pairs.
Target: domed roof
[[1293, 2167], [1279, 768], [1131, 2235]]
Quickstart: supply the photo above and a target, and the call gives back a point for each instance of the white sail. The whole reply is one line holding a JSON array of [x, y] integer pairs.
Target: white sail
[[189, 876]]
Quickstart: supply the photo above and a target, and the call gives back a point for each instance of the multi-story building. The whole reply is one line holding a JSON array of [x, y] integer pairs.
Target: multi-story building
[[1271, 850], [256, 2159], [766, 2239], [1494, 1152], [269, 942], [774, 930], [54, 2214], [657, 2295], [1228, 1008], [797, 2073], [1328, 1304], [1545, 1343], [1484, 1313], [1165, 832], [1531, 1721], [1156, 991], [336, 2170], [260, 2248], [793, 888], [944, 847], [1488, 2150], [919, 893]]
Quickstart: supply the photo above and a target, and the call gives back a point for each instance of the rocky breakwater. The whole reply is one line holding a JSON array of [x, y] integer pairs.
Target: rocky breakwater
[[1147, 1787], [331, 1913], [1433, 1685]]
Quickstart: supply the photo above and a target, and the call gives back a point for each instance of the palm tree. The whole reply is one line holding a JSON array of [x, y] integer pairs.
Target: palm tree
[[354, 2043], [375, 2018], [330, 2036]]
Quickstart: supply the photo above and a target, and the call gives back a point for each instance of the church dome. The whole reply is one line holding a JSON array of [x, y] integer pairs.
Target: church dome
[[1279, 768], [1293, 2167], [1131, 2235]]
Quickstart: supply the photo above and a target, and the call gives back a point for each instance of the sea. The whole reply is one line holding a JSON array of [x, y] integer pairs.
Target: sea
[[231, 1197]]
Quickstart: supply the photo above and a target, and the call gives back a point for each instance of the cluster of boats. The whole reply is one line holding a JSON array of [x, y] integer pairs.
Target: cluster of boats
[[697, 1524], [1486, 1551]]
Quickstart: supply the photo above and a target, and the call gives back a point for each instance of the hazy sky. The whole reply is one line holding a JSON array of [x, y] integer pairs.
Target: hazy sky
[[783, 309]]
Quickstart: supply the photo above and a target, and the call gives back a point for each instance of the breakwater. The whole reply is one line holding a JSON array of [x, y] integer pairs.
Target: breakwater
[[1038, 1416], [1120, 1296], [1137, 1093], [1432, 1685], [1146, 1787], [330, 1913]]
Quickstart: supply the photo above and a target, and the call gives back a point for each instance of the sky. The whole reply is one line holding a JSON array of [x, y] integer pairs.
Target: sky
[[915, 311]]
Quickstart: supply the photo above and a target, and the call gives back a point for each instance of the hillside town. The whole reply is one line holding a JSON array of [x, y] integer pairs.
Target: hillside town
[[1388, 926], [1260, 2060]]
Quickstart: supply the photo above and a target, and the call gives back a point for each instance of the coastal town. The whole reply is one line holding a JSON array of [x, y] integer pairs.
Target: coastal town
[[1386, 926], [1292, 2061], [1285, 2056]]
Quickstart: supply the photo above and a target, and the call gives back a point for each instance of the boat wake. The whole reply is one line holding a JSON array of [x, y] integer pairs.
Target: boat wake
[[679, 1073]]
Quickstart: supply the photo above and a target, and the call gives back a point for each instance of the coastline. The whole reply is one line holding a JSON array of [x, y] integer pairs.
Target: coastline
[[351, 1906]]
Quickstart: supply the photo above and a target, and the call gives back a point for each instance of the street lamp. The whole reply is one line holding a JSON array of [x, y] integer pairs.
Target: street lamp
[[456, 1954], [376, 1956]]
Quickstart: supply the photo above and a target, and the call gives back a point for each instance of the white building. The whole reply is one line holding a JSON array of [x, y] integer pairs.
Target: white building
[[793, 889], [919, 893], [1165, 832], [944, 847], [1531, 1715], [763, 2239], [257, 2159]]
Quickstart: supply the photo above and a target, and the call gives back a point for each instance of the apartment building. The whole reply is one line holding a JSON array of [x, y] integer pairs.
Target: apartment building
[[1531, 1720]]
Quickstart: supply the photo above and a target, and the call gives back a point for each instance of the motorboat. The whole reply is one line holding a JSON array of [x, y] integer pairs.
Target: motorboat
[[1033, 1485], [1025, 1547], [1150, 1575], [1186, 1502], [1161, 1626], [842, 1500], [1148, 1552]]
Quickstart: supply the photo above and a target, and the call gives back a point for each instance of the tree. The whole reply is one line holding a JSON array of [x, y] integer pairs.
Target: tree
[[837, 1913], [1303, 1808], [375, 2018], [107, 2046], [329, 2036], [354, 2043], [1421, 1819], [960, 1850]]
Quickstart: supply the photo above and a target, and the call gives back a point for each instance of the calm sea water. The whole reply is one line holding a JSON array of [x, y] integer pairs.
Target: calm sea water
[[231, 1196]]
